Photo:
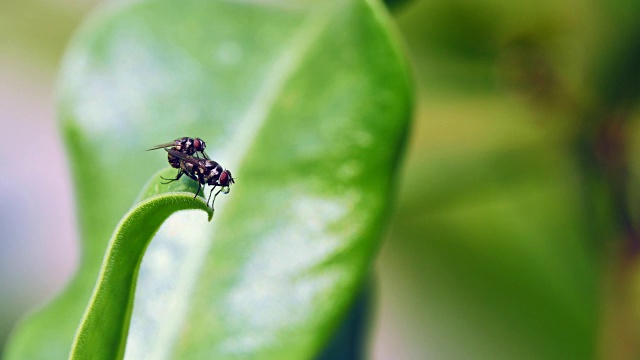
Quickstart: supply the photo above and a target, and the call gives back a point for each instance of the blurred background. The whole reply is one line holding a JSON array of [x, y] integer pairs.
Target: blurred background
[[516, 186]]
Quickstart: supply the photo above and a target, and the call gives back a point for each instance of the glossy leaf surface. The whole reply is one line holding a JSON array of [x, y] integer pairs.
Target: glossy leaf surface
[[307, 103]]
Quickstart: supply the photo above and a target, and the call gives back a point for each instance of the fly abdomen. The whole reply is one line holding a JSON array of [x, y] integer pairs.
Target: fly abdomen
[[174, 161]]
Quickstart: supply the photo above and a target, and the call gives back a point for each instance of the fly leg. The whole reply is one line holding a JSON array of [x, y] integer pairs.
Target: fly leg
[[180, 172], [201, 183], [214, 197], [197, 192], [210, 192]]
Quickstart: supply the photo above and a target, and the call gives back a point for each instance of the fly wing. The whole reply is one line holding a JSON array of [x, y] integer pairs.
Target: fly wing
[[184, 157], [163, 146]]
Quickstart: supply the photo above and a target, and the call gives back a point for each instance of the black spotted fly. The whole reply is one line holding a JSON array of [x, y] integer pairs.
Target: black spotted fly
[[182, 154]]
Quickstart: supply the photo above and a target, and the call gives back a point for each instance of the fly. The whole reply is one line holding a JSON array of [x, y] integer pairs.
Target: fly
[[204, 171], [184, 145]]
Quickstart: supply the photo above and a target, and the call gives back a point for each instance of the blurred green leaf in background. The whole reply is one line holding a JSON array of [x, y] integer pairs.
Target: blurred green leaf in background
[[507, 233], [514, 232]]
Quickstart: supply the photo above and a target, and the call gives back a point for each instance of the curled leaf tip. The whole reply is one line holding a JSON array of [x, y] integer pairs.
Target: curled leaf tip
[[118, 274]]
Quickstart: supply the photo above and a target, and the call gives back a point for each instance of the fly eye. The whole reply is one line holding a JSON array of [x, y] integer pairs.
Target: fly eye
[[224, 180], [198, 144]]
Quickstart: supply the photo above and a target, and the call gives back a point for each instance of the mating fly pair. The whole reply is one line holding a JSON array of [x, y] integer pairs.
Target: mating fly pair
[[180, 154]]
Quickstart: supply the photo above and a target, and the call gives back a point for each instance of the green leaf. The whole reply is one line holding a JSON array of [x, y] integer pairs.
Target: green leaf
[[307, 103], [102, 333]]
